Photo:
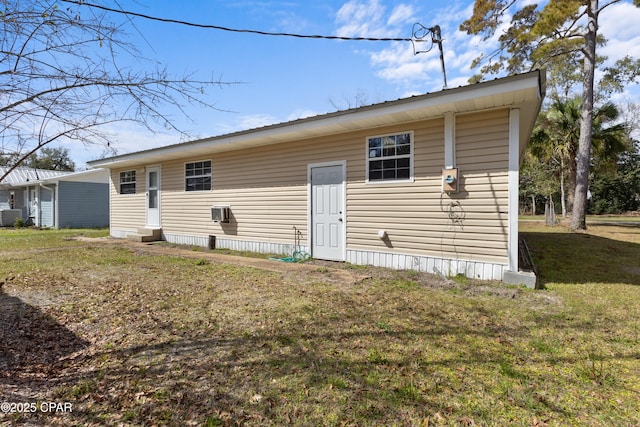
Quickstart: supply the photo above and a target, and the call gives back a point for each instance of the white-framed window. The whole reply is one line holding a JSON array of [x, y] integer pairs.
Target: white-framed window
[[128, 182], [390, 157], [197, 176]]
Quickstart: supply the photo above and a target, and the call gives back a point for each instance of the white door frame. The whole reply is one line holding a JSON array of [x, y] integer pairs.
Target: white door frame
[[310, 226], [33, 207], [153, 220]]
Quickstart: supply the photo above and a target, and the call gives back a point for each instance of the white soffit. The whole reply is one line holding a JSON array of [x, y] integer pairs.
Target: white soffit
[[524, 91]]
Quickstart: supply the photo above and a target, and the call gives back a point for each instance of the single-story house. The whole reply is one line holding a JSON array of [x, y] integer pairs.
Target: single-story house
[[57, 199], [428, 182]]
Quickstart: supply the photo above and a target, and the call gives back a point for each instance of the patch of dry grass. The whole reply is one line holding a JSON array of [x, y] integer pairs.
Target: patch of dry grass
[[150, 338]]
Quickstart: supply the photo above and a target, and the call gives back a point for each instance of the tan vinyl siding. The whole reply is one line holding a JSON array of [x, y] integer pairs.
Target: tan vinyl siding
[[416, 215], [482, 152], [266, 188], [183, 212], [127, 210]]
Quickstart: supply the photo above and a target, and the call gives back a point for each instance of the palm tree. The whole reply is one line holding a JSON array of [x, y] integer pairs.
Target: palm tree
[[555, 140], [611, 141], [556, 136]]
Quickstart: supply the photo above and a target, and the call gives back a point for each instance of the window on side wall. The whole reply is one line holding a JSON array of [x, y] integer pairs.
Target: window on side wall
[[128, 182], [198, 176], [390, 157]]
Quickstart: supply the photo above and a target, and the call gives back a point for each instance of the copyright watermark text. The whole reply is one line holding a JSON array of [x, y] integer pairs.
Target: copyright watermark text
[[33, 407]]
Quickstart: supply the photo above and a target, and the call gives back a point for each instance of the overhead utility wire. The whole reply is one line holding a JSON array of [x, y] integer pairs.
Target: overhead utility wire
[[419, 32], [235, 30]]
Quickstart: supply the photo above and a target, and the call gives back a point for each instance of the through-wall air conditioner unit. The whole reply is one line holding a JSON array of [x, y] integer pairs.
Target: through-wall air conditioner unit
[[220, 214]]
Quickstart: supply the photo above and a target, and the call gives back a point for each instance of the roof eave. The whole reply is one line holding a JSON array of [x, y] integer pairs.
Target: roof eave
[[523, 91]]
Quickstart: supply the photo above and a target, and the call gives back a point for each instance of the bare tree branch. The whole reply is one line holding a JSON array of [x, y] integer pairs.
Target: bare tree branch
[[66, 73]]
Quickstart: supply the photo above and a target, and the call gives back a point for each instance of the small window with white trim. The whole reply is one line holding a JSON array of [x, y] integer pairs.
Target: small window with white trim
[[198, 176], [390, 157], [128, 182]]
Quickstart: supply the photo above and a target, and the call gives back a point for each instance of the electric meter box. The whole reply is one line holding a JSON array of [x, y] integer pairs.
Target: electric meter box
[[450, 180]]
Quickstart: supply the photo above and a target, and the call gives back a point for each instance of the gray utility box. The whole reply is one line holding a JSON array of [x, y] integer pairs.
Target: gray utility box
[[8, 217]]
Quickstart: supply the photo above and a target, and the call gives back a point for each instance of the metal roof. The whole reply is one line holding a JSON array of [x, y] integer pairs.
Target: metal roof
[[21, 175], [523, 91]]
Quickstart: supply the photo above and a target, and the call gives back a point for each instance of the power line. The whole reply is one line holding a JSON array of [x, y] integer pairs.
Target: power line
[[235, 30], [418, 35]]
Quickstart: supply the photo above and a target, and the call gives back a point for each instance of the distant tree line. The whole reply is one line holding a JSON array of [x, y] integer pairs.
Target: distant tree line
[[49, 158]]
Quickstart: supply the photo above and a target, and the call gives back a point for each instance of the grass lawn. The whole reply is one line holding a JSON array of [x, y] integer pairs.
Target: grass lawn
[[146, 335], [591, 219]]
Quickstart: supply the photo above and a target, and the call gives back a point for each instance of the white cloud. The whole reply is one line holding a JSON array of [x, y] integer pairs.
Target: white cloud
[[127, 139], [301, 114], [123, 138], [255, 121], [396, 62], [243, 122], [401, 14], [398, 53], [619, 24], [361, 19]]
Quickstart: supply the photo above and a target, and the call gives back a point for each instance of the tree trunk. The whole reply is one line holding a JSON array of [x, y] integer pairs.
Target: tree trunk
[[571, 182], [533, 205], [563, 200], [583, 159], [550, 212]]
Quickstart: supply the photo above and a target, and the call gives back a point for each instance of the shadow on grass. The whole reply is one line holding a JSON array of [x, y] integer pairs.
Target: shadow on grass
[[32, 344], [249, 378], [567, 257], [287, 373]]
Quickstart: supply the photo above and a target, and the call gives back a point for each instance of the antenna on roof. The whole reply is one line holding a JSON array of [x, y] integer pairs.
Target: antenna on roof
[[419, 34]]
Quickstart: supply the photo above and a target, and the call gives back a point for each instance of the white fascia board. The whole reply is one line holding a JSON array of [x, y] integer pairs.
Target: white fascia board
[[480, 96], [98, 175]]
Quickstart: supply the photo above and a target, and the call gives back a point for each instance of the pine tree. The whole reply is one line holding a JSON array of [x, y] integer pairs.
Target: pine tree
[[536, 38]]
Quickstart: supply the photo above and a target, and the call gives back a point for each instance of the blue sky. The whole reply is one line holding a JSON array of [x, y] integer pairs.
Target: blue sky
[[281, 79]]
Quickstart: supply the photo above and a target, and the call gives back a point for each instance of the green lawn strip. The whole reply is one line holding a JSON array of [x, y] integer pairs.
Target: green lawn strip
[[15, 239], [591, 219], [173, 341], [604, 254]]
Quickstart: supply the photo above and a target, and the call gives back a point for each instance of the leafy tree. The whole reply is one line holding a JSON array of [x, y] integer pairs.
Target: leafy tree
[[617, 191], [625, 70], [537, 37], [51, 158], [8, 159], [66, 72], [610, 138], [537, 179], [555, 142]]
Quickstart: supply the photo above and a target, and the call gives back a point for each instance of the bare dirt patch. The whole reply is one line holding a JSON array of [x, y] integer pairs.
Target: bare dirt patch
[[308, 272]]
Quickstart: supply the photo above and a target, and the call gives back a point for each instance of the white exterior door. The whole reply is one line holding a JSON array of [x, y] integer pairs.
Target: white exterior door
[[47, 207], [153, 197], [327, 212], [33, 207]]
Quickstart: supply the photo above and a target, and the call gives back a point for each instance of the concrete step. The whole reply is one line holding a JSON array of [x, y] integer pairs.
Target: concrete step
[[146, 235]]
